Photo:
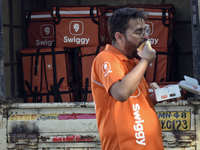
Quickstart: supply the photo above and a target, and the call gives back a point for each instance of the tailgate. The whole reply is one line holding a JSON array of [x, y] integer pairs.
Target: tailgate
[[70, 126]]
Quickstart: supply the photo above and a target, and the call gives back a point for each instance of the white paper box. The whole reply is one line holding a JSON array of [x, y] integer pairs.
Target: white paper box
[[166, 93], [190, 85]]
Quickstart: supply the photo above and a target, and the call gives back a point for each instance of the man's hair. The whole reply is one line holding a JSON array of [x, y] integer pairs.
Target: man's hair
[[118, 21]]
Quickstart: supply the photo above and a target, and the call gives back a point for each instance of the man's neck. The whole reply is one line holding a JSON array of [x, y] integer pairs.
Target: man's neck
[[119, 47]]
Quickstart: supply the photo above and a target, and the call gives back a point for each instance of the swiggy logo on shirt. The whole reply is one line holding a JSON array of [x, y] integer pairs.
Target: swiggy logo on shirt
[[106, 68], [138, 126]]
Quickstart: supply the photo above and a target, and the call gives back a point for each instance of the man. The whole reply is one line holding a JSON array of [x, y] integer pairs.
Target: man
[[125, 113]]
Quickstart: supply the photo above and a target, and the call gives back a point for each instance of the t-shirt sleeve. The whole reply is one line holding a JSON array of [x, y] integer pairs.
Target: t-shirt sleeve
[[107, 69]]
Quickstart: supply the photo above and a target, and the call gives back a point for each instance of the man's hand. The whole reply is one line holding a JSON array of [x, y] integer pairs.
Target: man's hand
[[149, 54]]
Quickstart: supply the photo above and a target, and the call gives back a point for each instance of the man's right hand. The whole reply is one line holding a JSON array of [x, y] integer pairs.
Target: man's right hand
[[149, 54]]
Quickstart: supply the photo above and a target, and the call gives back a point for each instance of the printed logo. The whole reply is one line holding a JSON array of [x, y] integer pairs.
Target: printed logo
[[150, 27], [48, 117], [76, 28], [136, 93], [49, 66], [23, 117], [163, 96], [47, 31], [195, 87], [150, 30], [138, 125], [76, 40], [106, 68], [151, 65]]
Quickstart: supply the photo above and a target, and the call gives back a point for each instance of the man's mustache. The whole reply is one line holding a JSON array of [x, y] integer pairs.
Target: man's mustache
[[143, 41]]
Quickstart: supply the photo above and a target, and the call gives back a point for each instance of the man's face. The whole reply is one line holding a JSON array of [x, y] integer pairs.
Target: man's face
[[134, 36]]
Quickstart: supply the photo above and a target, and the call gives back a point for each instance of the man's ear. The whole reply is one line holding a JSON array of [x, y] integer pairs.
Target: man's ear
[[119, 37]]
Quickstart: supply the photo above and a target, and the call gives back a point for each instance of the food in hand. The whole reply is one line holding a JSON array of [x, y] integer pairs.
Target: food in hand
[[141, 47]]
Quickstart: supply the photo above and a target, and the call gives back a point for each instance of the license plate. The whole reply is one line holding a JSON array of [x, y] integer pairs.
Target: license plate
[[174, 120]]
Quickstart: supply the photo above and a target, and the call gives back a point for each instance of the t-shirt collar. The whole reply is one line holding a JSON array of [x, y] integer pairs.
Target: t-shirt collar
[[116, 51]]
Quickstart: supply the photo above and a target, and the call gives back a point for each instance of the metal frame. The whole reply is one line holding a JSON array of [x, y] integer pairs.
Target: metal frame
[[195, 28], [2, 77], [195, 21], [11, 48]]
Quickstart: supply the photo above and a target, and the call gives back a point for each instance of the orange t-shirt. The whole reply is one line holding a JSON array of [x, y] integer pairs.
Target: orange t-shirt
[[129, 125]]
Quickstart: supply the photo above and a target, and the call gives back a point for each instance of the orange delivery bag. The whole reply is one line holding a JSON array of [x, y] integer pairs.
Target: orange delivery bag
[[79, 25], [39, 29], [46, 74]]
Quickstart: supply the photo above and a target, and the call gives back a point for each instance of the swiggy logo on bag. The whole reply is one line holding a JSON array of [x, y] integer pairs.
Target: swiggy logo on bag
[[76, 28], [150, 30], [46, 32], [149, 27]]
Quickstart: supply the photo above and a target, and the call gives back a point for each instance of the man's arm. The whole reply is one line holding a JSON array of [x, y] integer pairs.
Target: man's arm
[[123, 89]]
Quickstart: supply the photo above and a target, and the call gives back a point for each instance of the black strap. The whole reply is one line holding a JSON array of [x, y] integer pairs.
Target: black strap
[[55, 88], [36, 61], [76, 63], [29, 86], [58, 18], [97, 50], [35, 96], [34, 93], [92, 14], [75, 89], [41, 75], [31, 70], [86, 89], [45, 74], [164, 18], [48, 98], [54, 66], [39, 98], [163, 2], [28, 19], [68, 62], [36, 68], [155, 66], [61, 81]]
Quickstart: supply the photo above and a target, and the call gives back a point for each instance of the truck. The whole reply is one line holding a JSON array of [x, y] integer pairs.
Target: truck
[[72, 125]]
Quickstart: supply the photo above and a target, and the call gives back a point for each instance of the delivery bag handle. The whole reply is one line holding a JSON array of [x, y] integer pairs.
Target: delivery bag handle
[[58, 18], [163, 2], [164, 18], [28, 19], [92, 14]]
